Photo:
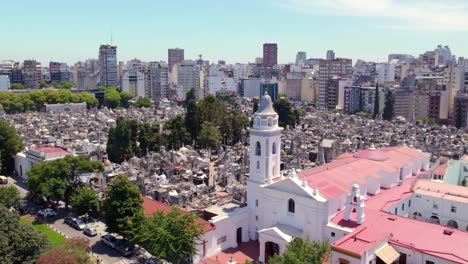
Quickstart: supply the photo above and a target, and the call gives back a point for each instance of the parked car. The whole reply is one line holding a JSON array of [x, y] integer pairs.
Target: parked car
[[69, 220], [90, 231], [125, 248], [109, 240], [3, 180], [78, 224], [47, 212]]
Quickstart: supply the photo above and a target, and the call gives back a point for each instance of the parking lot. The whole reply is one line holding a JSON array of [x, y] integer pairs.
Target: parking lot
[[104, 253]]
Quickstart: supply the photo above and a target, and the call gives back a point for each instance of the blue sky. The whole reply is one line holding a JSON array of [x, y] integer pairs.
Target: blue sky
[[231, 30]]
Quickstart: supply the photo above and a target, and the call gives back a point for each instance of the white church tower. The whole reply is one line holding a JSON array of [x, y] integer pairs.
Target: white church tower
[[265, 160]]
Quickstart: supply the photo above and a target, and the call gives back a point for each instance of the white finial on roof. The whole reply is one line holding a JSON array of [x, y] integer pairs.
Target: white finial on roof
[[372, 146], [316, 190], [304, 182]]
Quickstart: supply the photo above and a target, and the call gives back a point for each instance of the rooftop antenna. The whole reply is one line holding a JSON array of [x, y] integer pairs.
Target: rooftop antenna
[[111, 37]]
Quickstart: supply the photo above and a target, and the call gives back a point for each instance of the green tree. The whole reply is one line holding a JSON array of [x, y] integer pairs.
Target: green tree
[[190, 95], [149, 137], [175, 132], [58, 179], [43, 84], [19, 243], [209, 137], [122, 207], [211, 110], [143, 102], [285, 112], [9, 196], [255, 106], [10, 144], [121, 143], [192, 123], [125, 98], [389, 111], [89, 99], [17, 86], [302, 251], [112, 97], [170, 236], [376, 102], [85, 201]]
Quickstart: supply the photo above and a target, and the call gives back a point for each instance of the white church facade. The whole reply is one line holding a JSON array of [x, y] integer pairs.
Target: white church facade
[[337, 202]]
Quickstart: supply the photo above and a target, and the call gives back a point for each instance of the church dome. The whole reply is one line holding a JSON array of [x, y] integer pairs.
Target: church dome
[[266, 106]]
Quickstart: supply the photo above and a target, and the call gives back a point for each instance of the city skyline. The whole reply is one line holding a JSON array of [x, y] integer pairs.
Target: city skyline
[[46, 31]]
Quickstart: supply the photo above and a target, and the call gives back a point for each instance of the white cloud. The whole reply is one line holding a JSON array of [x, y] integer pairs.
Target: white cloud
[[430, 15]]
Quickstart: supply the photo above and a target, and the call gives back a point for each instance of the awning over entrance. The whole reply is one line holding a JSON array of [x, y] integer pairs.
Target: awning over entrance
[[388, 254], [280, 232]]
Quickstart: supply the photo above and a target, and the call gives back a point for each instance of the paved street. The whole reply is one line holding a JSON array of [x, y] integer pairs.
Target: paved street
[[103, 252]]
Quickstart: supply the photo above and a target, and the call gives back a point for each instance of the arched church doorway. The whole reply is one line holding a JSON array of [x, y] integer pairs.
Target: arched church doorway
[[434, 219], [271, 248], [452, 223]]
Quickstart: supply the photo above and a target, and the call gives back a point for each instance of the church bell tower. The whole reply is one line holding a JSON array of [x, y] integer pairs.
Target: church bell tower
[[265, 143]]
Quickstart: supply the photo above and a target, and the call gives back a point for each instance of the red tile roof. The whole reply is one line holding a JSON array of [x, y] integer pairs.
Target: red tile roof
[[401, 231], [334, 179], [151, 206]]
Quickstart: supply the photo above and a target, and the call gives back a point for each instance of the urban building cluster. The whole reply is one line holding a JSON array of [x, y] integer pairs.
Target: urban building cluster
[[379, 191], [433, 85]]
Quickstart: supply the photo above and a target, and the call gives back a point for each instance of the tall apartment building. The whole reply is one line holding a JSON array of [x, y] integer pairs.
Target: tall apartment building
[[134, 82], [59, 72], [4, 82], [159, 80], [174, 56], [301, 57], [385, 72], [32, 74], [327, 70], [188, 77], [270, 54], [330, 55], [108, 65]]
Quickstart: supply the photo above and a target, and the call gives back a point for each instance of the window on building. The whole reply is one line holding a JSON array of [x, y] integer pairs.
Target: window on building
[[258, 149], [291, 206], [332, 234], [396, 210], [256, 218], [256, 203], [258, 165], [453, 209], [273, 148], [403, 207], [409, 203], [430, 262]]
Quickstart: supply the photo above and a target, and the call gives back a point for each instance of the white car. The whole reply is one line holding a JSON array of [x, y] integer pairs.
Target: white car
[[47, 212]]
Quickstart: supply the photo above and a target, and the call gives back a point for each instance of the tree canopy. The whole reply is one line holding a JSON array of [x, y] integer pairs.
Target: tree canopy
[[175, 132], [122, 140], [9, 196], [62, 85], [170, 236], [122, 207], [35, 100], [125, 97], [10, 144], [85, 201], [286, 115], [210, 137], [301, 251], [19, 242], [143, 102], [17, 86], [389, 111], [58, 179], [112, 98]]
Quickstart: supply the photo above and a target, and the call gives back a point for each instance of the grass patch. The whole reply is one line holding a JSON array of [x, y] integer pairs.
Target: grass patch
[[54, 237]]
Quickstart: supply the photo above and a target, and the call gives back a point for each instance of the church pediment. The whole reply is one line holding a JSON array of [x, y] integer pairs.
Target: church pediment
[[294, 186]]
